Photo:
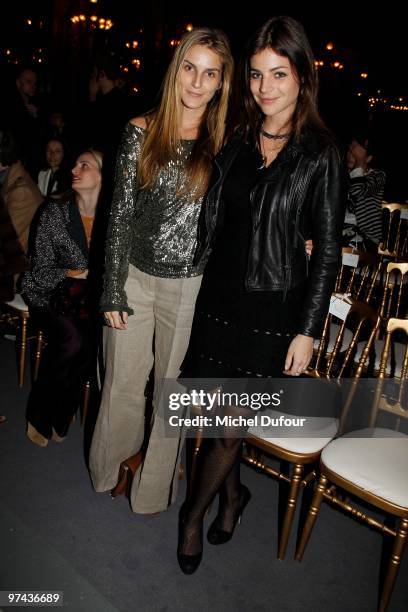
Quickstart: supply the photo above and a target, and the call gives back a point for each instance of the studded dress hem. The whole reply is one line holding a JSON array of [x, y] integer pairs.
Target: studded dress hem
[[237, 333]]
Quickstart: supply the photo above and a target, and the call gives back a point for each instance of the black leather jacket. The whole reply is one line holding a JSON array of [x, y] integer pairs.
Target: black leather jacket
[[302, 195]]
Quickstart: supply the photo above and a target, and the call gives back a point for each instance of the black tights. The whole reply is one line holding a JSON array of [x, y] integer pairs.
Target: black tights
[[218, 472]]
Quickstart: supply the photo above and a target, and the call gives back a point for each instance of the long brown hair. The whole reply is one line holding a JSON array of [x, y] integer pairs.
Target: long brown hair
[[163, 137], [286, 37]]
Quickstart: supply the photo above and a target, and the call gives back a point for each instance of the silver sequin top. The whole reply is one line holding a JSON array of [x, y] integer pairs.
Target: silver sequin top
[[155, 229]]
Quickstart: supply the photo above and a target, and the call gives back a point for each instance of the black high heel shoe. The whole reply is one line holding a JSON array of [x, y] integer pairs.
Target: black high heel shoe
[[215, 534], [188, 563]]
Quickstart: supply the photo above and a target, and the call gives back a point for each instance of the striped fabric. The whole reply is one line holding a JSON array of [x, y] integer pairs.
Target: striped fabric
[[364, 201]]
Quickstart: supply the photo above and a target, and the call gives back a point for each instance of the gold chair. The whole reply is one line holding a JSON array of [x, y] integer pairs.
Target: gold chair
[[393, 289], [394, 241], [371, 464], [359, 282], [86, 393], [391, 305], [305, 452], [16, 314]]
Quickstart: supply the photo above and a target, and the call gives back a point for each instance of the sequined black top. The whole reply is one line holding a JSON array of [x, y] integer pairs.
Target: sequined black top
[[59, 245], [153, 229]]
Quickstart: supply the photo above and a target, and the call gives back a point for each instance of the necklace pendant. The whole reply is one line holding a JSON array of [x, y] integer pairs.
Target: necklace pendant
[[263, 166]]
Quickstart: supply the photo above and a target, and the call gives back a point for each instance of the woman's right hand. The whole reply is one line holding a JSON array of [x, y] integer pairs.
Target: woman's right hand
[[117, 320], [82, 275]]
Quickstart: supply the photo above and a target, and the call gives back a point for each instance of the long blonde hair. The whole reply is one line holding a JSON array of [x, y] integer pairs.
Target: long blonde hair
[[163, 136]]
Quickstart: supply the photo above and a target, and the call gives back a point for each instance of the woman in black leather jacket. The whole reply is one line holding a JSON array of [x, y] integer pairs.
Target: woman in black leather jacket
[[278, 182]]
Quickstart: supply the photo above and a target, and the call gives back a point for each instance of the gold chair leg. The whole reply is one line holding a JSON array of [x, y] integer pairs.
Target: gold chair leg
[[394, 564], [196, 451], [22, 356], [295, 482], [86, 402], [181, 471], [38, 353], [311, 517]]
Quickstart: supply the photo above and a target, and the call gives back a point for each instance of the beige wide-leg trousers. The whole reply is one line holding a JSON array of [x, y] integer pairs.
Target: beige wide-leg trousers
[[163, 308]]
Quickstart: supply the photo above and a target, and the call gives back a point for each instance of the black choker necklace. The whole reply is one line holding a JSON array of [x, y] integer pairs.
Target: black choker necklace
[[274, 136]]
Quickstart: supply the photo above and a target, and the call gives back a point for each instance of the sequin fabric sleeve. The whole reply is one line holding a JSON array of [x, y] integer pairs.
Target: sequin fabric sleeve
[[46, 269], [120, 229]]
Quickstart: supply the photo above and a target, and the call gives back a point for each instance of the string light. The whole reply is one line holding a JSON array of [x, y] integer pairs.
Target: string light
[[101, 22]]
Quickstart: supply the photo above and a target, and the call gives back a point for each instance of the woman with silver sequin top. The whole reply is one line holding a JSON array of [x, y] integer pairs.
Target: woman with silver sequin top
[[150, 284]]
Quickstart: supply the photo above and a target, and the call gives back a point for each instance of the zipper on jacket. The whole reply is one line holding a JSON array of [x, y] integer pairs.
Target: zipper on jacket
[[302, 239]]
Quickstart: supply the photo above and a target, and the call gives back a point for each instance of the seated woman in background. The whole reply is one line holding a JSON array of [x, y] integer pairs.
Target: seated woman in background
[[55, 178], [62, 299], [363, 221], [19, 192]]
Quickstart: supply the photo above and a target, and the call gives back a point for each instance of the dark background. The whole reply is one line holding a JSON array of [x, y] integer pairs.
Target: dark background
[[372, 41]]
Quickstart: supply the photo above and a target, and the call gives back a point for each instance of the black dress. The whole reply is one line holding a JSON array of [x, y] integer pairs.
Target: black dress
[[239, 333]]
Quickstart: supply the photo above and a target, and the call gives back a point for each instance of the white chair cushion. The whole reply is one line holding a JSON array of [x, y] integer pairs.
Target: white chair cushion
[[375, 459], [398, 347], [334, 330], [18, 303], [323, 427]]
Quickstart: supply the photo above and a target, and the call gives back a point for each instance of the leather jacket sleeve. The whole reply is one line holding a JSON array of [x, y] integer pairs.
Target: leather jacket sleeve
[[327, 215]]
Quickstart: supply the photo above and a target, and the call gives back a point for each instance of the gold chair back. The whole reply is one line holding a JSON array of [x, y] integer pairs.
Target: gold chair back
[[360, 280], [394, 231], [361, 316], [391, 302]]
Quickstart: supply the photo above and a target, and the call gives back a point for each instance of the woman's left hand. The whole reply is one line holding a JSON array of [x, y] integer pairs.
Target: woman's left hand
[[299, 355]]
